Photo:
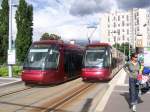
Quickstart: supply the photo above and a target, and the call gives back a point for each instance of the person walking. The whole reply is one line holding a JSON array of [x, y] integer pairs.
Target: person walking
[[132, 68]]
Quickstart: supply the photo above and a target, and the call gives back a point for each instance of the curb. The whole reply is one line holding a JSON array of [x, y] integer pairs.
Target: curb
[[98, 97], [100, 107], [13, 81]]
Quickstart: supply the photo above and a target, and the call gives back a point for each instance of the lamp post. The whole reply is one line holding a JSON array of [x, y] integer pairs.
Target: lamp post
[[10, 36], [11, 57], [129, 49]]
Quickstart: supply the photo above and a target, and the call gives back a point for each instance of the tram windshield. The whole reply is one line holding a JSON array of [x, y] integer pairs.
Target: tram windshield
[[42, 57], [96, 58]]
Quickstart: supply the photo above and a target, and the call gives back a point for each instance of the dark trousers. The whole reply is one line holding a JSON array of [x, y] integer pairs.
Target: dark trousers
[[133, 91]]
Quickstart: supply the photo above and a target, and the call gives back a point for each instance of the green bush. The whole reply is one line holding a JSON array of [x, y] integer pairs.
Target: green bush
[[16, 71], [3, 71]]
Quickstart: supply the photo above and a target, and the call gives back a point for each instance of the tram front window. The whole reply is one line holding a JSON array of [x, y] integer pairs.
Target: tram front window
[[96, 58], [41, 58]]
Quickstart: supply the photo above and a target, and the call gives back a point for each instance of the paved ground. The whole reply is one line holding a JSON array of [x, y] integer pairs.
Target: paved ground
[[6, 81], [119, 100]]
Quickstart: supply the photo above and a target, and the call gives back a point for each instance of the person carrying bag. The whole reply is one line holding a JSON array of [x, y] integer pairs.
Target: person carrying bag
[[132, 68]]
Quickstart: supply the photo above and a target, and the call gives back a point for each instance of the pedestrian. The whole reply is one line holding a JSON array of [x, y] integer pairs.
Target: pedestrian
[[132, 68]]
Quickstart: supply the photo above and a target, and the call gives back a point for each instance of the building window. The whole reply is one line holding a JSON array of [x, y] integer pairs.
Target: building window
[[122, 16], [114, 38], [134, 16], [119, 25], [118, 31], [122, 23], [114, 18], [138, 29], [123, 37], [118, 18], [122, 30], [108, 33], [127, 31], [137, 21], [108, 19], [127, 18], [114, 24]]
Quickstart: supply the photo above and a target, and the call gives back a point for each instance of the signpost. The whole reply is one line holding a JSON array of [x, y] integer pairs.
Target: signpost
[[147, 56], [11, 59]]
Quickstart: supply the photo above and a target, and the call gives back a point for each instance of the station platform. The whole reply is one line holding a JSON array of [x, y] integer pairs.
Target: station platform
[[118, 99], [6, 81]]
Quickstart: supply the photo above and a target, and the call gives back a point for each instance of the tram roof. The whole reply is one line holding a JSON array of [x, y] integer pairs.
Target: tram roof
[[58, 42], [98, 44]]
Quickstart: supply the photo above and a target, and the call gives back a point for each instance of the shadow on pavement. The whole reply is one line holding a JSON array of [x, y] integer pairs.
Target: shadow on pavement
[[126, 97]]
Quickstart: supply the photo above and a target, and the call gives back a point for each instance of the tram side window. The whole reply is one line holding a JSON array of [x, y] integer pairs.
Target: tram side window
[[77, 60], [114, 62], [67, 63], [52, 60], [107, 59]]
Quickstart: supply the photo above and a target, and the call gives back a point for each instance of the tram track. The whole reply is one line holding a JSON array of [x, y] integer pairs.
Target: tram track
[[45, 99], [14, 90], [18, 87], [20, 99], [58, 102]]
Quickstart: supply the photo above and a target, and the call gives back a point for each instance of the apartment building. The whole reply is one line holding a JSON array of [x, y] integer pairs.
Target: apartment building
[[132, 26]]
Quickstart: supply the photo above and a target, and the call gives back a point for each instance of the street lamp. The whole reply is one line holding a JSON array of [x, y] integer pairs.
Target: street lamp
[[11, 52], [129, 49], [10, 37]]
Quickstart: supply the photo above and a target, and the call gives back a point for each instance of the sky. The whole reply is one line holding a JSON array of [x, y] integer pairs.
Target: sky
[[74, 19]]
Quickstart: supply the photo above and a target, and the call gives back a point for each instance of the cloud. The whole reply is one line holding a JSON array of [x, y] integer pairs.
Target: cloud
[[128, 4], [59, 21], [70, 18], [84, 7], [53, 16]]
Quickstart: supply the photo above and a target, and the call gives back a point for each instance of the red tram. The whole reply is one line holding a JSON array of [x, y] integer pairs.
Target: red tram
[[101, 62], [51, 62]]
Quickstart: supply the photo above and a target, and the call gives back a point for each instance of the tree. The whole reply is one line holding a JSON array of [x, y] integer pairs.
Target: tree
[[4, 25], [0, 39], [24, 19], [55, 37], [46, 36], [124, 47], [116, 45]]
